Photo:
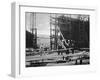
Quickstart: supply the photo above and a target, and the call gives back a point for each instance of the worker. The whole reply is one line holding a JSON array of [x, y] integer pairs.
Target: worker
[[41, 49], [72, 51], [67, 52]]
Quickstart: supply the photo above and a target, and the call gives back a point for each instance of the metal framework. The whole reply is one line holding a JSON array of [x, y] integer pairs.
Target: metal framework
[[34, 29], [56, 37]]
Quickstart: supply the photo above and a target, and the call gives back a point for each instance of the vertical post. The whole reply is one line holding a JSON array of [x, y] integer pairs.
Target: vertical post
[[50, 34], [32, 22], [55, 44]]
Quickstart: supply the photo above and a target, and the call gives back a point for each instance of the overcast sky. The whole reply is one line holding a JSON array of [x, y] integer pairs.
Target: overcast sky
[[42, 23]]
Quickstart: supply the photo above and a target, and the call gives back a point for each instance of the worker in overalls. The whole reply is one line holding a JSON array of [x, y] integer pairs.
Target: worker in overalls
[[41, 49]]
